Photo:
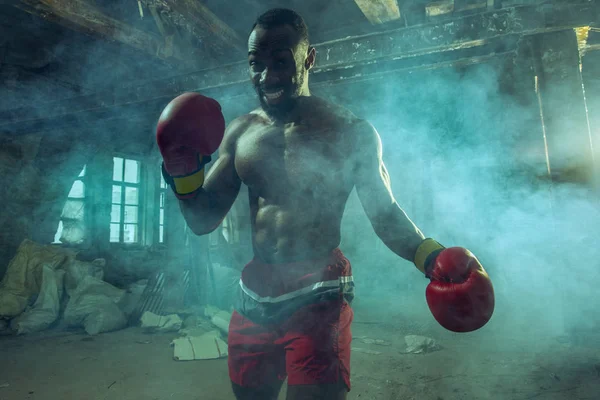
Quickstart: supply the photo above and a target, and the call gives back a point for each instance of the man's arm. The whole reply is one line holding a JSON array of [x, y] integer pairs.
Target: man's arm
[[208, 208], [460, 294], [373, 186]]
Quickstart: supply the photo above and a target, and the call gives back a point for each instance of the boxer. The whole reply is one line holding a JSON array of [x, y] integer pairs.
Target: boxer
[[300, 157]]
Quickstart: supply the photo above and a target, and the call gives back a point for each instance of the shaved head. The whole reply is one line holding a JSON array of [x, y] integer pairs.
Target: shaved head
[[282, 16]]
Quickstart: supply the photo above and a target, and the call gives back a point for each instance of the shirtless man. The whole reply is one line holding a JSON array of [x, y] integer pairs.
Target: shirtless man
[[300, 157]]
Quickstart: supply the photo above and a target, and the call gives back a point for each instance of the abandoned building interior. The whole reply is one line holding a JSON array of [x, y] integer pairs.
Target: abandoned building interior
[[489, 117]]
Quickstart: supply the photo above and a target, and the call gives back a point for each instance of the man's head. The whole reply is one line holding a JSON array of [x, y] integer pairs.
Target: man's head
[[279, 57]]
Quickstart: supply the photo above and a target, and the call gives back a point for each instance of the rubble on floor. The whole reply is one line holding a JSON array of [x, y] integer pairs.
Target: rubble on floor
[[200, 340], [152, 323], [46, 286], [367, 340], [206, 346], [46, 308], [416, 344], [24, 275]]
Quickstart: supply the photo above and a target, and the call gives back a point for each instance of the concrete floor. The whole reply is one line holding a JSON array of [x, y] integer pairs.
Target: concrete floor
[[495, 363]]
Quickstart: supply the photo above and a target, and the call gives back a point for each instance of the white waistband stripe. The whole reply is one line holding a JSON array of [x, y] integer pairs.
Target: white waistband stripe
[[295, 293]]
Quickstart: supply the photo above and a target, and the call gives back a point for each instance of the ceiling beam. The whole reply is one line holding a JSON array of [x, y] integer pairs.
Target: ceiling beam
[[347, 59], [208, 33], [379, 11], [443, 7], [469, 5], [437, 8], [83, 17]]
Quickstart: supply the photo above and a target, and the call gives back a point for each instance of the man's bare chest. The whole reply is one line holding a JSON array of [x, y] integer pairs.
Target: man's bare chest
[[293, 158]]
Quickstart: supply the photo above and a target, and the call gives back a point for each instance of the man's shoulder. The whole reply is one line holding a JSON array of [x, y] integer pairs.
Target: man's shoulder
[[241, 124], [353, 129], [245, 120], [235, 129], [335, 112]]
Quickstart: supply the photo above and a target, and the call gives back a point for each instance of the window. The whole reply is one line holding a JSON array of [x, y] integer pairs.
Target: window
[[71, 227], [125, 211], [161, 209]]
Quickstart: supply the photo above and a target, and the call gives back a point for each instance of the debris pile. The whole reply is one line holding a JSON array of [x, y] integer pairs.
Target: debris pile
[[46, 286]]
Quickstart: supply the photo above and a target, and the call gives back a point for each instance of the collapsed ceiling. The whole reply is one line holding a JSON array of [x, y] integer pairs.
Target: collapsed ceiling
[[90, 56]]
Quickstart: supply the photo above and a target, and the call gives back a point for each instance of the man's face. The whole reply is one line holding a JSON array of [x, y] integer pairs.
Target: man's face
[[277, 67]]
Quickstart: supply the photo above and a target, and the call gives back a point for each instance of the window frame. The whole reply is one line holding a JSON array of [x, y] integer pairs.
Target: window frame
[[83, 177], [141, 206], [161, 192]]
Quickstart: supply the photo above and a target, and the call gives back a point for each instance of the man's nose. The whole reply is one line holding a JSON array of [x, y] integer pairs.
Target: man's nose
[[268, 77]]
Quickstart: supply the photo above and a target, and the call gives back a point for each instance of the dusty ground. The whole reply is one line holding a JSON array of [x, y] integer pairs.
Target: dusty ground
[[497, 362]]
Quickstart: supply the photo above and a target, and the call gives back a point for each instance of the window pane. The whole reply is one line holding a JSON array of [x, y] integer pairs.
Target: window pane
[[117, 169], [77, 190], [82, 173], [130, 233], [115, 213], [131, 214], [161, 234], [162, 199], [73, 209], [161, 218], [132, 171], [114, 232], [131, 196], [58, 233], [73, 232], [116, 194]]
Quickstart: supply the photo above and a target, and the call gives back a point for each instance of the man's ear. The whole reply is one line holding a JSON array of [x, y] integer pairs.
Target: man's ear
[[310, 58]]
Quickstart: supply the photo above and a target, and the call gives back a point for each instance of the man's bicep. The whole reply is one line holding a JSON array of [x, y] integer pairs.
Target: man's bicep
[[372, 180], [222, 179]]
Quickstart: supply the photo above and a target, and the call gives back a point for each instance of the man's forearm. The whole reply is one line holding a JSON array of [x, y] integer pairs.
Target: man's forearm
[[398, 232], [202, 213]]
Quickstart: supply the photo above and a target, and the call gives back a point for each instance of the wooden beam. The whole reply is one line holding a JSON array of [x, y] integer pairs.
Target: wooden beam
[[439, 8], [204, 27], [83, 17], [469, 5], [476, 37], [379, 11]]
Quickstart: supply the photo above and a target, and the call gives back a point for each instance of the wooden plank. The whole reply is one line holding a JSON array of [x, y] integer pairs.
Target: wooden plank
[[343, 59], [86, 18], [207, 30], [439, 8], [469, 5], [379, 11]]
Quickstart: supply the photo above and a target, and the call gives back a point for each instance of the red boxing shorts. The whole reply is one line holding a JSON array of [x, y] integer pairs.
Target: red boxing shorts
[[292, 320]]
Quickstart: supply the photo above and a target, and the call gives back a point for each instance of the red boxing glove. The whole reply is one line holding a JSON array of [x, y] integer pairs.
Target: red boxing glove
[[189, 130], [460, 294]]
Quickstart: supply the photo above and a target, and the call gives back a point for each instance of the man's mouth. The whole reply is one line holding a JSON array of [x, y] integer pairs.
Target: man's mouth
[[271, 94]]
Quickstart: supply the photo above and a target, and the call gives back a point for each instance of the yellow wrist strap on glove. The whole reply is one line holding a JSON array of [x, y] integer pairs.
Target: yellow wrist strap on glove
[[185, 185], [190, 183], [426, 252]]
